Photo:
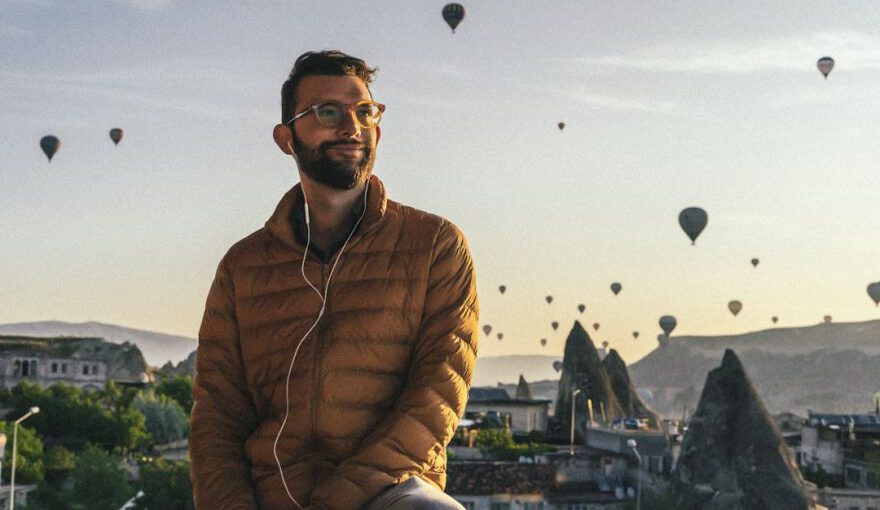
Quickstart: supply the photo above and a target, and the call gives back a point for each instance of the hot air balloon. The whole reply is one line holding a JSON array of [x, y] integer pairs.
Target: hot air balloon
[[635, 334], [693, 220], [50, 145], [116, 135], [555, 325], [667, 324], [825, 65], [549, 299], [581, 308], [502, 288], [874, 292], [500, 336], [561, 126], [543, 342], [595, 326], [734, 307], [615, 288], [827, 319], [755, 262], [605, 345], [557, 365], [453, 14], [487, 329], [775, 319]]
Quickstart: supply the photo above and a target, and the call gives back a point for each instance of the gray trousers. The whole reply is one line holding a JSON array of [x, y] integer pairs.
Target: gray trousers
[[413, 494]]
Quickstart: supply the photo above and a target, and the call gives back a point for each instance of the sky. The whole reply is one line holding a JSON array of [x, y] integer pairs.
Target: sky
[[717, 105]]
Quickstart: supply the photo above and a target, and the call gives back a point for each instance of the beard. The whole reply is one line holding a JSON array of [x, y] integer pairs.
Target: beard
[[340, 174]]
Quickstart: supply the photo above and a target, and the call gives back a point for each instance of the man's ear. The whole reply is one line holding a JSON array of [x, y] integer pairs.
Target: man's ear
[[378, 134], [283, 138]]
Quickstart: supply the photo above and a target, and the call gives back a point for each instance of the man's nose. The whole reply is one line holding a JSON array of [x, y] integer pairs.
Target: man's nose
[[350, 127]]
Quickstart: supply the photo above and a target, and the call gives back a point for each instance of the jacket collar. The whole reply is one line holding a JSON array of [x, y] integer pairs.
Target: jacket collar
[[290, 208]]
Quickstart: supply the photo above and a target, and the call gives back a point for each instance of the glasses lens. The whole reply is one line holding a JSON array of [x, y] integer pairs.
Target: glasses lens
[[368, 114], [329, 114]]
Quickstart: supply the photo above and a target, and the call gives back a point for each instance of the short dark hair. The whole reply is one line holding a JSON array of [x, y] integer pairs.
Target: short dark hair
[[327, 63]]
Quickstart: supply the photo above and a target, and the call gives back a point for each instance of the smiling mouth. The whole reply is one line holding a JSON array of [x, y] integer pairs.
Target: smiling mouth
[[347, 149]]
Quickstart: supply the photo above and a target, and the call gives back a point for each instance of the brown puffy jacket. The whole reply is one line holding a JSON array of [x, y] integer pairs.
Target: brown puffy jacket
[[377, 388]]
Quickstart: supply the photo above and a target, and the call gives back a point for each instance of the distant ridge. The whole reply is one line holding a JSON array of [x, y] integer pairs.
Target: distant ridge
[[827, 367], [507, 369], [861, 336], [157, 348]]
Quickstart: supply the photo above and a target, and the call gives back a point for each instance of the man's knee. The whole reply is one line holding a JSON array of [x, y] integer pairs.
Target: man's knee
[[417, 494]]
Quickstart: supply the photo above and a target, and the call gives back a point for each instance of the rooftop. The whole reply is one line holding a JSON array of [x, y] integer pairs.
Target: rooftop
[[865, 422], [486, 478]]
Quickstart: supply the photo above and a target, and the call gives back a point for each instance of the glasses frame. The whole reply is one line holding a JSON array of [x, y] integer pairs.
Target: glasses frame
[[348, 109]]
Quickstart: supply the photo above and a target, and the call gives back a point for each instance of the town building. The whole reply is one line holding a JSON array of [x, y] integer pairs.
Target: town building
[[849, 499], [523, 415], [45, 371], [843, 445], [86, 363]]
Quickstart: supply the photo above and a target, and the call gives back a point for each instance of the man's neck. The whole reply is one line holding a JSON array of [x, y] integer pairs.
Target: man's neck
[[330, 211]]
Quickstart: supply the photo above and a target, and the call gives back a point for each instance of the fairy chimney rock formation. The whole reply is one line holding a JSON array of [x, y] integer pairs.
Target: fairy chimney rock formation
[[733, 456]]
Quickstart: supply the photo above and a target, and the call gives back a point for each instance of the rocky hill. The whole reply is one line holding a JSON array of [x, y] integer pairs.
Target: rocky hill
[[829, 368], [630, 401], [733, 456], [604, 383], [157, 348]]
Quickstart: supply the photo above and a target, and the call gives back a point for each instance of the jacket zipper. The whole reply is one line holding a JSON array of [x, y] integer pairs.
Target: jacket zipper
[[313, 408]]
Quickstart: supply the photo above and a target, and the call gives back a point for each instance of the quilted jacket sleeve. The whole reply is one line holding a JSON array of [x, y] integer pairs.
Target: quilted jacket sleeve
[[222, 414], [416, 431]]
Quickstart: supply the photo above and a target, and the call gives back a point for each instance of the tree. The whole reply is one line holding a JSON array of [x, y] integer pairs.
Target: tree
[[73, 418], [165, 420], [179, 388], [58, 462], [493, 439], [98, 481], [29, 461], [166, 486]]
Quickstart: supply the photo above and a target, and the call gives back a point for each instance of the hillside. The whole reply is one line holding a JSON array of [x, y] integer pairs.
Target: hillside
[[828, 367], [157, 348]]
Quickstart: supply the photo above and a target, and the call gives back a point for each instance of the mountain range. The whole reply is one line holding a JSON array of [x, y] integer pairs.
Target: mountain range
[[828, 367]]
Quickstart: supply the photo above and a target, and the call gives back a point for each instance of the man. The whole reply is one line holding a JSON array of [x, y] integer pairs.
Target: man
[[339, 341]]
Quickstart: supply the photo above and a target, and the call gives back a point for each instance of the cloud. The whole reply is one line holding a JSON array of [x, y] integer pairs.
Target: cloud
[[616, 102], [139, 86], [855, 50]]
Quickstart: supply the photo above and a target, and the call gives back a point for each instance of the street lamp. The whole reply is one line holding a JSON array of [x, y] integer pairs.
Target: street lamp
[[33, 410], [573, 395], [632, 444]]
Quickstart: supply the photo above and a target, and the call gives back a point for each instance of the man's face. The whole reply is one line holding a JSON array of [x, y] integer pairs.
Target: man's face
[[340, 157]]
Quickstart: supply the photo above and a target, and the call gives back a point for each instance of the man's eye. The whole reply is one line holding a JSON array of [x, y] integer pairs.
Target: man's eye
[[328, 112]]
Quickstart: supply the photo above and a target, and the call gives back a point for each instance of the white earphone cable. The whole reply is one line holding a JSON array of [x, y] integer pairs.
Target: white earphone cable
[[320, 314]]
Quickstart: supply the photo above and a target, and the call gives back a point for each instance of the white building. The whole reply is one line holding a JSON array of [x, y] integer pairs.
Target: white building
[[524, 415], [840, 445]]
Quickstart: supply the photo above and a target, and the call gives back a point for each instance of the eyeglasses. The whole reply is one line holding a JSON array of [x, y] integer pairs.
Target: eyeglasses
[[331, 113]]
